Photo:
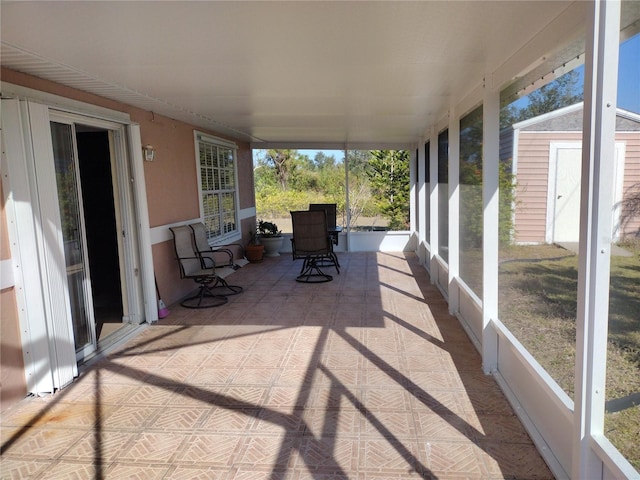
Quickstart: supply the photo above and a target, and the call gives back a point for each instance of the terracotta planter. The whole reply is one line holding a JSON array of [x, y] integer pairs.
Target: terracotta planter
[[254, 253]]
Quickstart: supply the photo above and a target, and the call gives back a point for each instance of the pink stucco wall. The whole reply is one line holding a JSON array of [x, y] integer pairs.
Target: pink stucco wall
[[172, 196]]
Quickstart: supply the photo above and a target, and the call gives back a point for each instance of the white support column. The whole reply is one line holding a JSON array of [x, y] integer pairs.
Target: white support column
[[347, 199], [434, 241], [490, 226], [454, 210], [422, 193], [598, 154], [148, 291], [414, 225]]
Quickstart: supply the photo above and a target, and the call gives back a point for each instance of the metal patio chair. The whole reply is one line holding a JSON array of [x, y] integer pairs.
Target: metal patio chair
[[191, 267], [231, 255], [332, 223], [311, 242]]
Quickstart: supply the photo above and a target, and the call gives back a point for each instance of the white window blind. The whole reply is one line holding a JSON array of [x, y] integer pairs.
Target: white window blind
[[218, 187]]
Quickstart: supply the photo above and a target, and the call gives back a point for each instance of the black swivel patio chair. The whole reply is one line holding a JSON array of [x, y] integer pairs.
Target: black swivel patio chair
[[311, 242], [332, 222]]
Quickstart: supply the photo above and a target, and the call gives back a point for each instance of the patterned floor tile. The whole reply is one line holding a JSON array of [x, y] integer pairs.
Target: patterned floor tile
[[433, 427], [122, 471], [73, 470], [244, 396], [270, 451], [253, 375], [452, 459], [229, 420], [275, 421], [499, 428], [212, 376], [293, 377], [154, 447], [287, 397], [328, 454], [264, 359], [43, 443], [334, 422], [336, 397], [151, 395], [129, 417], [349, 361], [220, 450], [514, 460], [438, 380], [178, 418], [389, 399], [390, 455], [18, 469], [365, 377], [99, 446], [389, 424], [197, 473]]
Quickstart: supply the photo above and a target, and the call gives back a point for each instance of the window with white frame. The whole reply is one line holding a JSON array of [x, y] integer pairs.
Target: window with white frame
[[218, 187]]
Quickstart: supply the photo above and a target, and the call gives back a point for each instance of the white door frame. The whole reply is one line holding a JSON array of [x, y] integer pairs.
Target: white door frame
[[47, 339]]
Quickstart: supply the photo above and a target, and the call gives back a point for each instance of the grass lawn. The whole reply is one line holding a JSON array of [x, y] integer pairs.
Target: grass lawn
[[538, 290]]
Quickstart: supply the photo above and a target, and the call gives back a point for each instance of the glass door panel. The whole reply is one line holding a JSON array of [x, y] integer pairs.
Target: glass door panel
[[68, 187]]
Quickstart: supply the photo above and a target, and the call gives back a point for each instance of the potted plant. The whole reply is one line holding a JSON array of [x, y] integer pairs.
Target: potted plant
[[271, 237], [254, 251]]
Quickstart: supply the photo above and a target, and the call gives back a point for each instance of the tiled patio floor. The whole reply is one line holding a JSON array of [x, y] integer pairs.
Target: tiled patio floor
[[364, 377]]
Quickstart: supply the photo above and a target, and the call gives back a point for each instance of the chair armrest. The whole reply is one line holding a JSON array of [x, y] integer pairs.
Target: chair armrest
[[216, 252], [236, 252]]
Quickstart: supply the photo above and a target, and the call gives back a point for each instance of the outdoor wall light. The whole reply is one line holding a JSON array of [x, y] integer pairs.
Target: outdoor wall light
[[149, 152]]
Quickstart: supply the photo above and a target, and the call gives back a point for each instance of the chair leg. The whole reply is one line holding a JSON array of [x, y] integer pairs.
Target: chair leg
[[205, 298], [223, 288], [311, 272], [330, 260]]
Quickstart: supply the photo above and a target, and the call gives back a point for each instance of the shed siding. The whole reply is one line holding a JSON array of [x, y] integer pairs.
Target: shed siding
[[533, 175], [630, 217]]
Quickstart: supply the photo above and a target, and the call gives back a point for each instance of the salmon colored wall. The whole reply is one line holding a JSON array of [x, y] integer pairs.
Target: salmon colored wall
[[12, 381], [172, 191], [171, 179]]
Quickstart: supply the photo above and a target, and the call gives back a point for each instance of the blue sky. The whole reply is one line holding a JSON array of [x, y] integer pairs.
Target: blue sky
[[629, 75]]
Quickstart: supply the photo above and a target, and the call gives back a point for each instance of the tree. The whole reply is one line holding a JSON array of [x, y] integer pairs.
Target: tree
[[388, 173], [561, 92], [282, 161]]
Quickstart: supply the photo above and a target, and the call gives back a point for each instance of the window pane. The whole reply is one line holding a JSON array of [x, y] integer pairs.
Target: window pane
[[389, 179], [539, 199], [471, 200], [622, 407], [427, 177], [217, 172], [417, 186], [443, 195], [229, 212]]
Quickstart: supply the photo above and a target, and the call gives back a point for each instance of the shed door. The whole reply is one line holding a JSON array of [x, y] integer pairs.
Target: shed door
[[564, 191], [566, 225]]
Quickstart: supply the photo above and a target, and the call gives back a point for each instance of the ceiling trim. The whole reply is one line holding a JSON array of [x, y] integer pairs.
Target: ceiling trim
[[30, 63]]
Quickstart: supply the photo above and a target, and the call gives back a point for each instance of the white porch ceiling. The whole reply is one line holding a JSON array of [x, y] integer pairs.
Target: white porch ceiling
[[306, 72]]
